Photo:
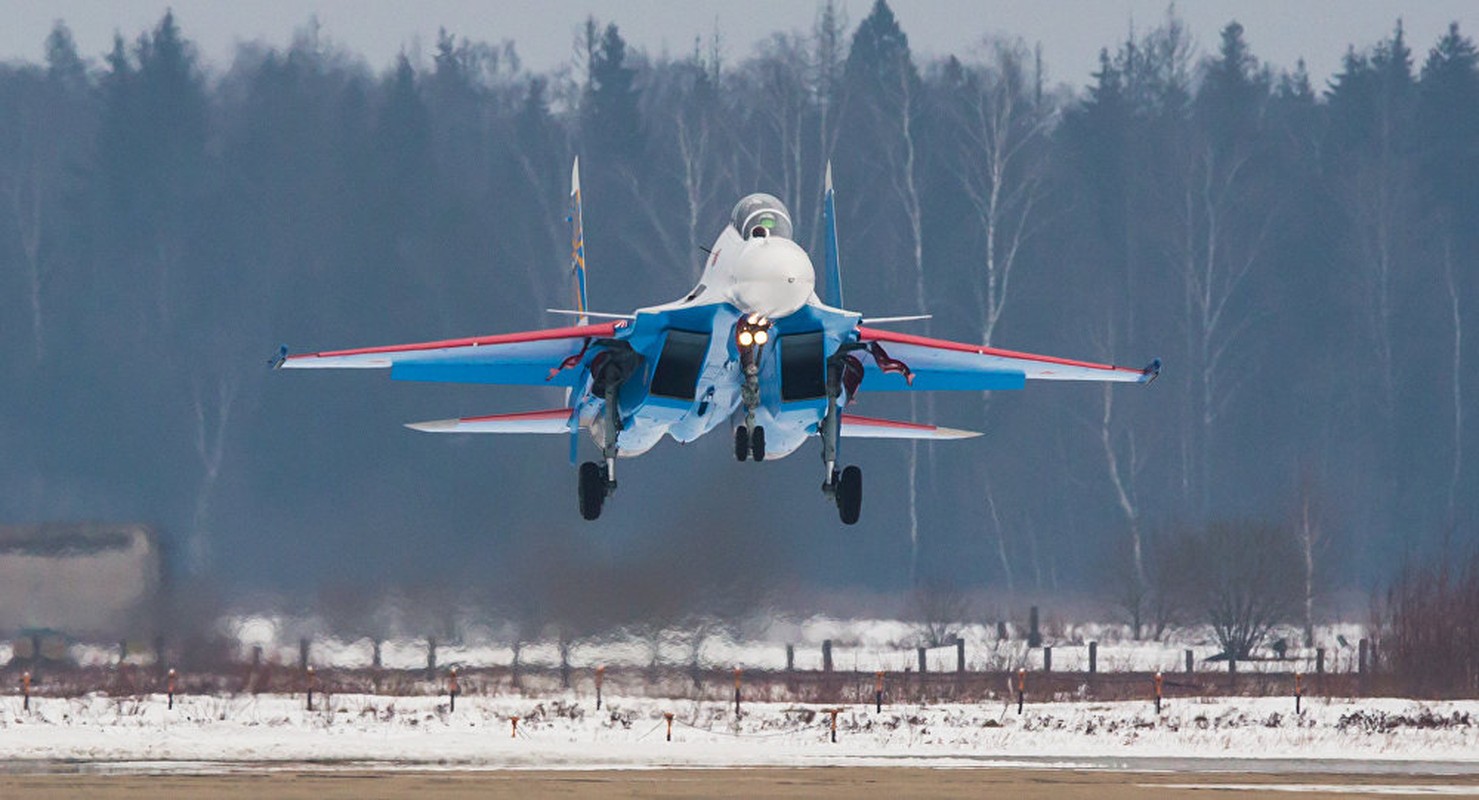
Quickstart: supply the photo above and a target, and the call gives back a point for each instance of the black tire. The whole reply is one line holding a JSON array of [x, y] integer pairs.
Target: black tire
[[741, 443], [757, 444], [592, 489], [850, 495]]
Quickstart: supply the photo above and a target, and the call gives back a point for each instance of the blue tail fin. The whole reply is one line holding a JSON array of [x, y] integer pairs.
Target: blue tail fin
[[577, 243], [833, 288], [577, 271]]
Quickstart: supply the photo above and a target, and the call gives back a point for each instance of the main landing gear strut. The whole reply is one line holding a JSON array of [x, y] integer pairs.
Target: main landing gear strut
[[845, 487], [609, 370]]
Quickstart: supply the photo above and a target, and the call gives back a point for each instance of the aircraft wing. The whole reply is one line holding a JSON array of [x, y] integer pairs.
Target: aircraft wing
[[902, 361], [555, 420], [537, 358], [858, 427]]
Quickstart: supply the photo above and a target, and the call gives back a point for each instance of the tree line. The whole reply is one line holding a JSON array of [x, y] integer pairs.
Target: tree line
[[1302, 257]]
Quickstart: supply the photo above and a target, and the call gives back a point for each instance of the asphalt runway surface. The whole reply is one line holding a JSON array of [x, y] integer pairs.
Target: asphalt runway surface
[[61, 780]]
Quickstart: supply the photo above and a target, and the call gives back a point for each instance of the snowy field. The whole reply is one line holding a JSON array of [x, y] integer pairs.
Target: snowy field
[[566, 732]]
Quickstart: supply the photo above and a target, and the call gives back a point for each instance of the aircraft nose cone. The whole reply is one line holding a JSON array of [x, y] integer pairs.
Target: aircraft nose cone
[[773, 278]]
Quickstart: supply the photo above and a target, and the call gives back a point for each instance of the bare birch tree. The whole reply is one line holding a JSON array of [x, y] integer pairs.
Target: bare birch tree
[[1001, 165], [212, 408]]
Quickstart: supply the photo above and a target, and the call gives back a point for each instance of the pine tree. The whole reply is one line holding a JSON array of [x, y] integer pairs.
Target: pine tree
[[611, 123]]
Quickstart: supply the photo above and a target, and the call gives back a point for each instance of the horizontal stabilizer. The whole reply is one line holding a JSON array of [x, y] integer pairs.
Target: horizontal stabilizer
[[555, 420], [871, 428], [593, 314]]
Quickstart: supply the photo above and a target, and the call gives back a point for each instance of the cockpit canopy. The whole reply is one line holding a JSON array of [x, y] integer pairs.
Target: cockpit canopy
[[761, 215]]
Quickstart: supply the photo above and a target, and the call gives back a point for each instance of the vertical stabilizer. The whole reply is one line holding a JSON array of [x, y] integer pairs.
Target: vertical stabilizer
[[577, 273], [577, 243], [833, 290]]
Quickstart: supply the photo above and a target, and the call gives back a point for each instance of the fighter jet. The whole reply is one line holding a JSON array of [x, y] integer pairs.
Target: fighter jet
[[752, 347]]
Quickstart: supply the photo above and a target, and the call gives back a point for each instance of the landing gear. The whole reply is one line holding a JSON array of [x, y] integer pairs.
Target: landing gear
[[845, 488], [594, 487], [849, 495], [749, 443]]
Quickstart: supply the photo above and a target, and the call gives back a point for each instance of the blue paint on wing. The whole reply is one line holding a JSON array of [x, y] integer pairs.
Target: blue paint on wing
[[513, 373]]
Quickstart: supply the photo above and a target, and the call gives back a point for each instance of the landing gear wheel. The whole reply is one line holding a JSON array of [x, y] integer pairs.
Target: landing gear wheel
[[757, 444], [592, 489], [850, 495], [741, 443]]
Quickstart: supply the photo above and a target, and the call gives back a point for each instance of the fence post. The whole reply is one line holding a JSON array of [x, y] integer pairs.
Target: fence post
[[1093, 657], [878, 691], [303, 653], [1298, 691], [1034, 636], [960, 655], [1001, 631], [737, 673], [452, 689], [1361, 658], [790, 658], [826, 655], [1190, 663], [431, 656], [1158, 680], [922, 666], [1021, 687], [1047, 659], [600, 675], [1320, 661], [171, 688], [310, 687]]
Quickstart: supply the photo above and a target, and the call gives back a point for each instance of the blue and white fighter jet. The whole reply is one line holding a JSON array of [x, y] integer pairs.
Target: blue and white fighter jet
[[752, 347]]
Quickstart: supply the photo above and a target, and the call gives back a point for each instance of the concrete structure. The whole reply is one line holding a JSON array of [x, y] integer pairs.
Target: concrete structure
[[79, 579]]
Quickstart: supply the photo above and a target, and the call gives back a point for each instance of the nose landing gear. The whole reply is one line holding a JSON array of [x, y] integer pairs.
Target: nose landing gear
[[749, 443]]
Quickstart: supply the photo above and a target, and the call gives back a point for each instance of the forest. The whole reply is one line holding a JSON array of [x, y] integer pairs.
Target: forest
[[1304, 258]]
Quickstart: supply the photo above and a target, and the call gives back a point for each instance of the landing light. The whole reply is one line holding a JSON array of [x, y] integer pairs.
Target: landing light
[[746, 338], [761, 337]]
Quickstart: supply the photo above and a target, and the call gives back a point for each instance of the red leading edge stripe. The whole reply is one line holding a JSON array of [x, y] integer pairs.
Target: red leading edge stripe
[[875, 334], [579, 332], [854, 419]]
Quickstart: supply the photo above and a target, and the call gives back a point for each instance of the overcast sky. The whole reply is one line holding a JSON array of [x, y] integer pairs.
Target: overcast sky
[[1071, 31]]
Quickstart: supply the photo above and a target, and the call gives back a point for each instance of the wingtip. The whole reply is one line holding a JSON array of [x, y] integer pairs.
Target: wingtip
[[1151, 371], [434, 426], [279, 358], [956, 433], [828, 183]]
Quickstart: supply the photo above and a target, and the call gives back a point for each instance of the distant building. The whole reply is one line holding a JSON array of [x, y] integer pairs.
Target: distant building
[[79, 579]]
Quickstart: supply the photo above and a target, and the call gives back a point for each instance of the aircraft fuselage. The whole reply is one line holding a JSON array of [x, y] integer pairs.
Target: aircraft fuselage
[[693, 374]]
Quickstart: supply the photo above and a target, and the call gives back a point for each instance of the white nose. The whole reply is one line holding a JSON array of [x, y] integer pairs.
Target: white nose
[[773, 277]]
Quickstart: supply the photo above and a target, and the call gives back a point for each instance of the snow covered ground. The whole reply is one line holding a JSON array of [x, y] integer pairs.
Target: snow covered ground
[[566, 732]]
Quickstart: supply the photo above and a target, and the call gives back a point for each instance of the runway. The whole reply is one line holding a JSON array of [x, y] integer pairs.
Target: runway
[[317, 782]]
